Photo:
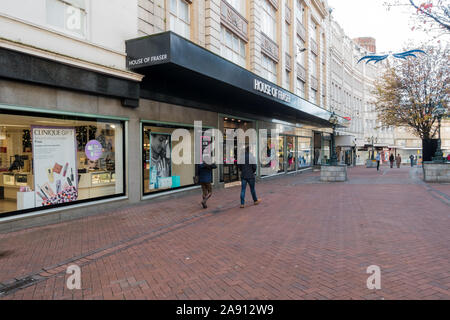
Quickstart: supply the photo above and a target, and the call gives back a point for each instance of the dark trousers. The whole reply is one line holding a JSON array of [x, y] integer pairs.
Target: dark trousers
[[378, 165], [251, 183], [206, 190], [392, 164]]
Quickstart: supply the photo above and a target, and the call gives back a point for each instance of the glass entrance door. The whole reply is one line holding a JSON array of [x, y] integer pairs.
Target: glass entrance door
[[230, 172], [291, 156]]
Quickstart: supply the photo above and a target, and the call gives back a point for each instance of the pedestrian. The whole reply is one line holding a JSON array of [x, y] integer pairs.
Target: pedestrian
[[448, 157], [378, 158], [411, 158], [248, 170], [205, 178], [398, 160], [391, 160]]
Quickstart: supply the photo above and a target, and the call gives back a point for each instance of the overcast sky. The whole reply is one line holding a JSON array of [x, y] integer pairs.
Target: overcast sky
[[369, 18]]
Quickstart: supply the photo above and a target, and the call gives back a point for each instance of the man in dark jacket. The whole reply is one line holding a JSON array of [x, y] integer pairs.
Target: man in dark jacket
[[248, 170], [391, 160], [205, 180]]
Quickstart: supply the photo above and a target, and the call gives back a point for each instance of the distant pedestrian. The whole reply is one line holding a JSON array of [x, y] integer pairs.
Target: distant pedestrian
[[411, 158], [205, 179], [391, 160], [398, 160], [378, 158], [248, 170]]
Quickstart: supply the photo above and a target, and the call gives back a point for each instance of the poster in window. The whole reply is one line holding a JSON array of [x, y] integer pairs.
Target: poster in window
[[54, 165], [161, 162]]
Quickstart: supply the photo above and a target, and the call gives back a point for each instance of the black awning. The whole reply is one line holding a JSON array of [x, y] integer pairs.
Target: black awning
[[178, 71]]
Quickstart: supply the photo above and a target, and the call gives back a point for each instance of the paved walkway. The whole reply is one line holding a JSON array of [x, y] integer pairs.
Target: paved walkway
[[307, 240]]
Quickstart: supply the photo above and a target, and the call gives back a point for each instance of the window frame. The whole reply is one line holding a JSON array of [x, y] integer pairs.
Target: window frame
[[25, 111]]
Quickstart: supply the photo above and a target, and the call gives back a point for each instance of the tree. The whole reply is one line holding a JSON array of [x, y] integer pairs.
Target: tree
[[431, 15], [409, 90]]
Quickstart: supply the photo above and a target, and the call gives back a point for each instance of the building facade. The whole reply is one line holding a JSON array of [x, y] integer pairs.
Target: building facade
[[89, 108]]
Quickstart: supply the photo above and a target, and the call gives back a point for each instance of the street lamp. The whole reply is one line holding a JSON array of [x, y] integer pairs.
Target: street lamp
[[438, 112], [373, 140], [334, 121]]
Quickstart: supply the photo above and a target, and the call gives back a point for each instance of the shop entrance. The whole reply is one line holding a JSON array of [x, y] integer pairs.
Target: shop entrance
[[230, 172]]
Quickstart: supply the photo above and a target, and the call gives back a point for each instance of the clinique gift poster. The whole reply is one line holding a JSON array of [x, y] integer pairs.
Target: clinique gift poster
[[54, 162]]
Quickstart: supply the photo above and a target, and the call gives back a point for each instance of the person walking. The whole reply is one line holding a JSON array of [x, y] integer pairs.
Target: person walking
[[378, 158], [248, 170], [411, 158], [391, 160], [205, 179], [398, 160]]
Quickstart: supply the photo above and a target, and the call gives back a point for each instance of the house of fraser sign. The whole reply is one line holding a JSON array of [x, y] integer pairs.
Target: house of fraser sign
[[272, 91]]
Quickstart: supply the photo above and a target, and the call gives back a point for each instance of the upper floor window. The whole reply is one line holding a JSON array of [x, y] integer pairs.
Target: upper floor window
[[287, 80], [287, 38], [313, 65], [232, 47], [239, 5], [68, 16], [179, 18], [269, 21], [300, 12], [301, 52], [269, 68], [300, 88], [313, 30]]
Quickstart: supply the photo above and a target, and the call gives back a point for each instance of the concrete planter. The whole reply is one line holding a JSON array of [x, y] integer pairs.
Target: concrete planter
[[333, 174], [371, 163], [436, 172]]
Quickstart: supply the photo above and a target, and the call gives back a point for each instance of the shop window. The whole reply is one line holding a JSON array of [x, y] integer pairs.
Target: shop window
[[68, 16], [304, 150], [232, 47], [269, 68], [160, 172], [51, 161], [179, 18]]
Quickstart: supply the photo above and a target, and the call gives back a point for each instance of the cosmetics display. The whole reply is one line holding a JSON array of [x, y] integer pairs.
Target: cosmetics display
[[54, 168]]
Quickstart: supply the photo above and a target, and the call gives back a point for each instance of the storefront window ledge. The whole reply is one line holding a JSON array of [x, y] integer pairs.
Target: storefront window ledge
[[43, 213], [169, 192]]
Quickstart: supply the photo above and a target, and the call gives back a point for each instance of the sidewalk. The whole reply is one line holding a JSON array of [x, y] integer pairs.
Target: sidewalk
[[307, 240]]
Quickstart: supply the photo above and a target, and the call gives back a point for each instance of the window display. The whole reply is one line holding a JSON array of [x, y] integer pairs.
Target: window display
[[304, 149], [160, 173], [49, 160]]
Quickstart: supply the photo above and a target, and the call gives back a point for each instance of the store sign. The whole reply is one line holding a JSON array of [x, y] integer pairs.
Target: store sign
[[271, 91], [148, 60], [54, 165], [93, 150]]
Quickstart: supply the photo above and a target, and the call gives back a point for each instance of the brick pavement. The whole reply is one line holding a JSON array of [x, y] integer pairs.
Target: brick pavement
[[307, 240]]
